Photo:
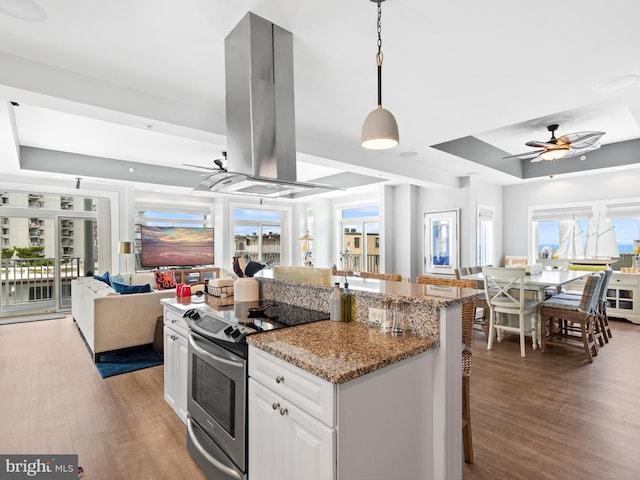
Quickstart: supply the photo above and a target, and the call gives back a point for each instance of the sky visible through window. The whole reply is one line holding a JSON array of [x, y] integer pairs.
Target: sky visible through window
[[627, 230], [362, 213], [270, 219]]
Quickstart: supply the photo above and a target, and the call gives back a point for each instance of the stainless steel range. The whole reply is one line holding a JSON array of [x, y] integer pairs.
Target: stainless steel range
[[217, 381]]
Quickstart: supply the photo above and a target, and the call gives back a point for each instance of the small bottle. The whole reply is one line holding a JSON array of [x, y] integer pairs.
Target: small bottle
[[348, 304], [397, 328], [335, 303], [385, 324]]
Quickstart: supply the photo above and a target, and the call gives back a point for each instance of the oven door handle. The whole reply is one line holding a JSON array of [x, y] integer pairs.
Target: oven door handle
[[219, 465], [216, 358]]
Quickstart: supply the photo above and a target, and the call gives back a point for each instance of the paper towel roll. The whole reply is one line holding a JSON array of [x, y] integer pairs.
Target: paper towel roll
[[246, 290]]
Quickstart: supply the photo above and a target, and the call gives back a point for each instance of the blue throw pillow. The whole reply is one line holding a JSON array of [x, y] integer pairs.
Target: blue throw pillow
[[125, 289], [104, 278], [118, 278]]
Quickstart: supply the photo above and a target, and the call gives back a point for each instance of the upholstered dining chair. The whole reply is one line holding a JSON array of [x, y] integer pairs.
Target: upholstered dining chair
[[505, 294], [570, 321], [461, 272], [602, 330], [394, 277]]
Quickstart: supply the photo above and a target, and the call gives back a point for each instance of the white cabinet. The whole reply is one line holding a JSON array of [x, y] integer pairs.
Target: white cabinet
[[176, 359], [286, 442], [379, 425]]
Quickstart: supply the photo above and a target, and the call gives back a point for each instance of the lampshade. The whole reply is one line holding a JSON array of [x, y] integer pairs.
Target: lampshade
[[126, 247], [307, 236], [379, 130], [554, 154]]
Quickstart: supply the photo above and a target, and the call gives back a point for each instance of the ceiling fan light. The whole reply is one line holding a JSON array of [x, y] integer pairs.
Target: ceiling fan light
[[380, 130], [554, 154]]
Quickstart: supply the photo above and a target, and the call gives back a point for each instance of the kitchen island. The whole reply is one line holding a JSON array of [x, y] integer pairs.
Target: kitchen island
[[336, 400], [391, 405]]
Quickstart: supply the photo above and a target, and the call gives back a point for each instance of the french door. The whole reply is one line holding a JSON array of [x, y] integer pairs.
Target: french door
[[41, 253]]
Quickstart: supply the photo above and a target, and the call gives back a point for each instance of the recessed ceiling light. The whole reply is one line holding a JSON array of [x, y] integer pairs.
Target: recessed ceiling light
[[408, 154], [131, 170], [26, 10], [618, 83]]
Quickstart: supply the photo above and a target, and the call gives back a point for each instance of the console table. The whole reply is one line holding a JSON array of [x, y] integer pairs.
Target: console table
[[196, 275]]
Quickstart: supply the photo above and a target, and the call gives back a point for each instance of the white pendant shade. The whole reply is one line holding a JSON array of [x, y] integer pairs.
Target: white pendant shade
[[380, 130]]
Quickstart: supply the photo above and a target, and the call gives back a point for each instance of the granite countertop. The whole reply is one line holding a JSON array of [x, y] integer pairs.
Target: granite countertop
[[339, 352]]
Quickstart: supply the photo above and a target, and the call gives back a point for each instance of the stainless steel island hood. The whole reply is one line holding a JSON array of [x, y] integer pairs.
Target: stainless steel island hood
[[261, 145]]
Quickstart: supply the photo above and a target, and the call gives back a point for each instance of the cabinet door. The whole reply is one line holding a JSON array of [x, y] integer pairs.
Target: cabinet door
[[181, 371], [309, 446], [176, 358], [265, 434], [284, 441], [169, 367]]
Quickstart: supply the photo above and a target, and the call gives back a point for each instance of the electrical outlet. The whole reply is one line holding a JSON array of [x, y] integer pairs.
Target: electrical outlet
[[376, 315]]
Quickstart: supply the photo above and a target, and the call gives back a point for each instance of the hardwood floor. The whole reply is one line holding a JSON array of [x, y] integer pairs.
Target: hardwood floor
[[554, 415], [546, 416], [52, 400]]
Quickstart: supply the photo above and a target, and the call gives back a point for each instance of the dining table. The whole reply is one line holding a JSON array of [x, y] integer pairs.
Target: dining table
[[540, 282]]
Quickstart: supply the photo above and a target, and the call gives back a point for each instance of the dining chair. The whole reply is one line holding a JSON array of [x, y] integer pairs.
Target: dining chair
[[481, 307], [342, 273], [468, 317], [468, 309], [505, 294], [461, 272], [570, 321], [602, 330], [394, 277]]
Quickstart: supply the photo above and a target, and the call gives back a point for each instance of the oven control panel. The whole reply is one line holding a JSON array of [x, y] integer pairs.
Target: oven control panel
[[216, 328]]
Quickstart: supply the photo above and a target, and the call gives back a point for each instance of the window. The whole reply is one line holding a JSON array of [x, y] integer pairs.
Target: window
[[484, 236], [625, 218], [560, 232], [360, 239], [257, 234]]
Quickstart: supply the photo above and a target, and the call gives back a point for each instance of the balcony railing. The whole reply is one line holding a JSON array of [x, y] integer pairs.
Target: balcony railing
[[28, 281]]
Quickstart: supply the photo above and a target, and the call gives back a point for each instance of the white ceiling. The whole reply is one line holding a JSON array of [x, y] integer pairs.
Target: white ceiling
[[144, 81]]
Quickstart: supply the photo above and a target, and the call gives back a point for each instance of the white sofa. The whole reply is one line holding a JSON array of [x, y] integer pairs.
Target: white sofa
[[110, 321]]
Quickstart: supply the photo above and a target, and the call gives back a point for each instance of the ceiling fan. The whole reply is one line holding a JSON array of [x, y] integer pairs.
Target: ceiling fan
[[219, 162], [569, 145]]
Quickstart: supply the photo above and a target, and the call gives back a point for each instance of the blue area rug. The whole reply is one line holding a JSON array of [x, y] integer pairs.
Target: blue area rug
[[126, 361]]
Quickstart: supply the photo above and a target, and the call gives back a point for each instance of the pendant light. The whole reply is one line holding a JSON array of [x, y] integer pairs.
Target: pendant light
[[380, 129]]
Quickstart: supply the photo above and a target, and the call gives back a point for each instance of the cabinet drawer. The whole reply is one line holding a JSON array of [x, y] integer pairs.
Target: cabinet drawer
[[174, 320], [312, 394]]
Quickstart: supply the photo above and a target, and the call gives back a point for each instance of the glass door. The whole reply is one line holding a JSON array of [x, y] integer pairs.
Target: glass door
[[77, 253], [27, 268]]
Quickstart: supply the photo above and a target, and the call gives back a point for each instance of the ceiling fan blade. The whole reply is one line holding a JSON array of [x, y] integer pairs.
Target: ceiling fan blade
[[546, 145], [525, 155], [199, 166], [584, 139]]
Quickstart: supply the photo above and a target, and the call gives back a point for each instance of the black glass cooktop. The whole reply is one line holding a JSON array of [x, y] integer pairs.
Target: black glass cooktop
[[234, 322]]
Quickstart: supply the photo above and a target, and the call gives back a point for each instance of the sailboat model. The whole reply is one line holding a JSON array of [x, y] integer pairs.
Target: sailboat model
[[602, 248], [572, 244]]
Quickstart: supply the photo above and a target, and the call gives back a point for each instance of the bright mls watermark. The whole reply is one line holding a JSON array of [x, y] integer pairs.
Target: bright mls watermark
[[49, 467]]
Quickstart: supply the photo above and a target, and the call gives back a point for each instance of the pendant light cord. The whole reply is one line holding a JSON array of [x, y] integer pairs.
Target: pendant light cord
[[379, 55]]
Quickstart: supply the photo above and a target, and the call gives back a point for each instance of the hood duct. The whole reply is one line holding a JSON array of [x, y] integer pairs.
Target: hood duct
[[261, 148]]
